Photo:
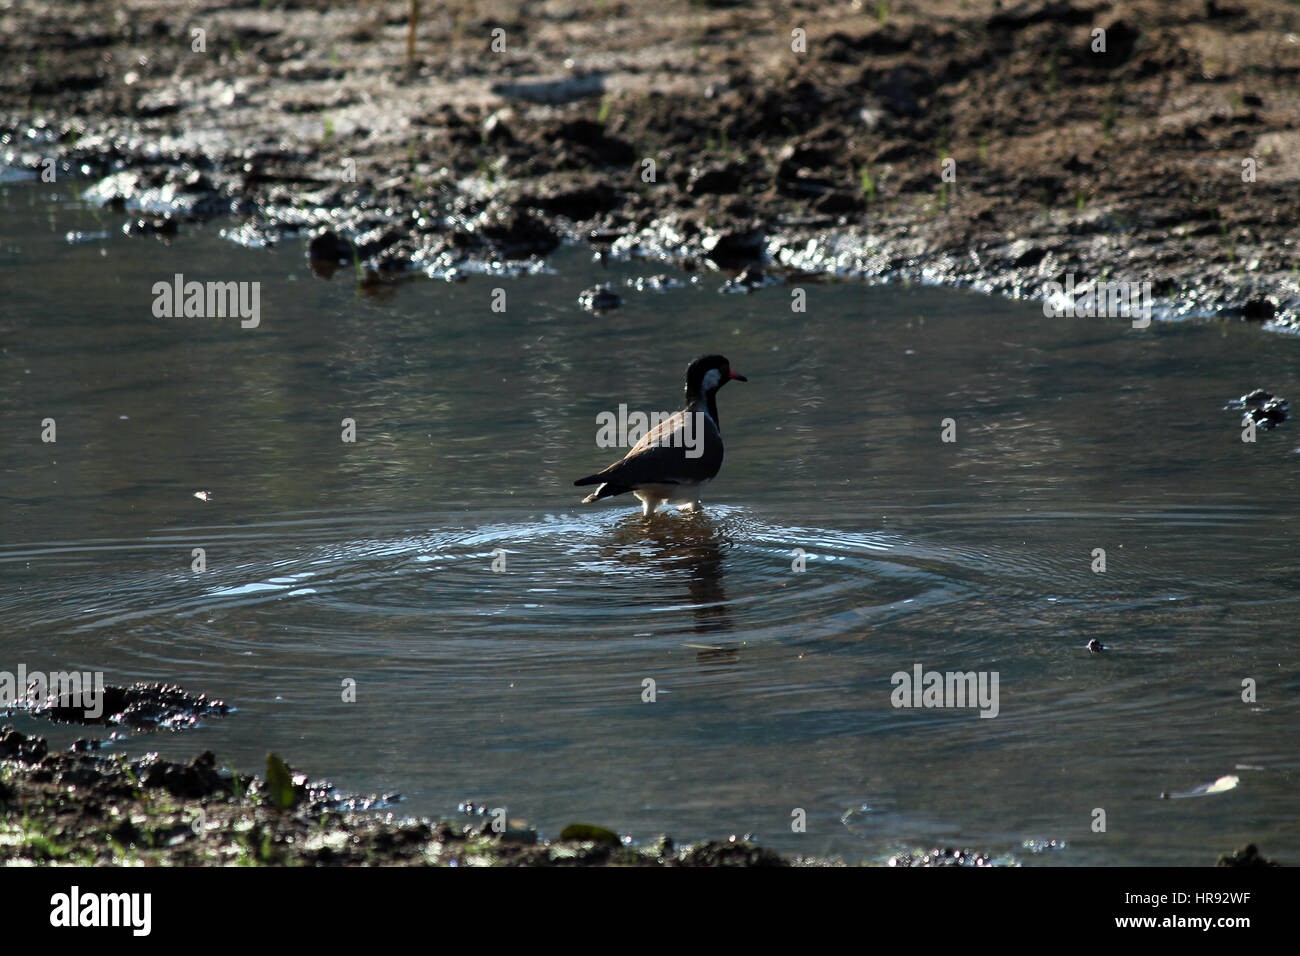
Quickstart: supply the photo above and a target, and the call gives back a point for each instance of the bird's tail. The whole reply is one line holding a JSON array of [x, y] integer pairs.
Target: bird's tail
[[606, 490]]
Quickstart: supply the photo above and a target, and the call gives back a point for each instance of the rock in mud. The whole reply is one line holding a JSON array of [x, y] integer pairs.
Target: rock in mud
[[716, 179], [1259, 309], [578, 203], [904, 89], [599, 299], [198, 778], [15, 745], [1263, 408], [1246, 856], [514, 234], [329, 246], [733, 852], [141, 706], [735, 248], [837, 201], [582, 143]]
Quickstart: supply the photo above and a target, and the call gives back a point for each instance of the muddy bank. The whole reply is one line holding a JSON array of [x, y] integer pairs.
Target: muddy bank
[[84, 808], [87, 806], [993, 145]]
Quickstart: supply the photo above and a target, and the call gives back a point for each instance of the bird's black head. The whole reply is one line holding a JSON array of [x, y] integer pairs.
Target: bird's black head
[[707, 374]]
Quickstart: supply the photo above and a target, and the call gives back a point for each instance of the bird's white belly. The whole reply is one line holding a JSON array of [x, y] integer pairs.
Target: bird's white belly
[[672, 493]]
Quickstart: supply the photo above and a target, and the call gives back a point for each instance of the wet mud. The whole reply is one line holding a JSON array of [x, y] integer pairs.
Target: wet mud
[[87, 808], [986, 144]]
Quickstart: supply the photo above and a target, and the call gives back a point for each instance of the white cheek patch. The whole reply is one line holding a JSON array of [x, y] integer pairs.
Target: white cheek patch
[[712, 379]]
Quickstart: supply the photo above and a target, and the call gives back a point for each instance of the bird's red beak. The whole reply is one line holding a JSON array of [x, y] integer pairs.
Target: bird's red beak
[[738, 378]]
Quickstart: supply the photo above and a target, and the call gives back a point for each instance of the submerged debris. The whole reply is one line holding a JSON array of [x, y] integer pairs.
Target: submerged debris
[[140, 706], [1263, 408], [1221, 785], [599, 299]]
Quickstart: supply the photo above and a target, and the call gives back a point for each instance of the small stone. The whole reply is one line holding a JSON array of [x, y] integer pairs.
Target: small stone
[[1259, 309], [599, 299]]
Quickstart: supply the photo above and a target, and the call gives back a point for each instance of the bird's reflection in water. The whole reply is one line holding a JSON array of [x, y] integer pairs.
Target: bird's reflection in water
[[690, 548]]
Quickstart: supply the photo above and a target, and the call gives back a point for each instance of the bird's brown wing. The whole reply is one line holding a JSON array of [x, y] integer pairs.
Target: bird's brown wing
[[665, 433], [661, 456]]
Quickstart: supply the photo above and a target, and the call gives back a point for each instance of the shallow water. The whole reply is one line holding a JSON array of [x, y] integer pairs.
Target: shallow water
[[374, 561]]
